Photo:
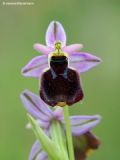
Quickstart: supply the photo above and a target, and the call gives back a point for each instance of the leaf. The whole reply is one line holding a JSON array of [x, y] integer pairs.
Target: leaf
[[47, 144]]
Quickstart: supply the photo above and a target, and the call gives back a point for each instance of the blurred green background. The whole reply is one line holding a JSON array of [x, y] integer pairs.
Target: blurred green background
[[96, 24]]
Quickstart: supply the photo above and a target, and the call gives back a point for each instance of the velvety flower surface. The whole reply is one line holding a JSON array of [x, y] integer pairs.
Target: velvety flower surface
[[84, 140], [81, 61]]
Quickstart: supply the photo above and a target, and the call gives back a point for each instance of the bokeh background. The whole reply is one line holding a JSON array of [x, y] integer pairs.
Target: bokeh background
[[96, 24]]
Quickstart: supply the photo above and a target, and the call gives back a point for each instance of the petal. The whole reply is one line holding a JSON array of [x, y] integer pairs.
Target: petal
[[36, 148], [72, 48], [35, 106], [82, 124], [35, 67], [83, 61], [42, 156], [42, 49], [55, 32], [77, 120], [58, 113]]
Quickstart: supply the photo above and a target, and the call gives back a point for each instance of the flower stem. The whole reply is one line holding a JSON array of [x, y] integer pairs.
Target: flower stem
[[68, 133]]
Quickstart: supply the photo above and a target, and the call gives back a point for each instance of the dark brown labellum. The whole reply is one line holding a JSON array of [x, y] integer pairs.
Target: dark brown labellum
[[60, 85], [84, 145]]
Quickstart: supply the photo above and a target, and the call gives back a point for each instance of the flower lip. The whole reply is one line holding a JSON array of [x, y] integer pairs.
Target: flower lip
[[89, 142], [64, 85]]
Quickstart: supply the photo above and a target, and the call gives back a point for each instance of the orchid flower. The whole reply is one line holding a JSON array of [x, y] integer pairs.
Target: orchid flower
[[80, 61], [63, 64], [84, 140]]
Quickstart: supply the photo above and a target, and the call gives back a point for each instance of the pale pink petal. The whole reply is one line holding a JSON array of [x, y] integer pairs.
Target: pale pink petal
[[42, 156], [55, 32], [36, 148], [83, 124], [42, 49], [83, 61], [35, 106], [58, 113], [72, 48], [35, 67]]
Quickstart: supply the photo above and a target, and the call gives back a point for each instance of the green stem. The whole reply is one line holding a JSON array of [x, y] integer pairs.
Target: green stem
[[68, 133]]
